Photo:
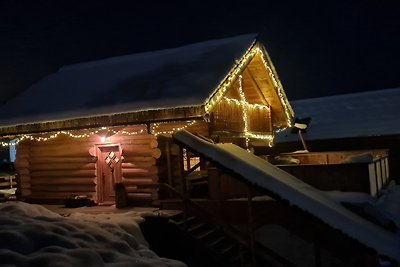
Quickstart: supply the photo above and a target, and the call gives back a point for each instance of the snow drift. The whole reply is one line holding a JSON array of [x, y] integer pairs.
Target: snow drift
[[31, 235]]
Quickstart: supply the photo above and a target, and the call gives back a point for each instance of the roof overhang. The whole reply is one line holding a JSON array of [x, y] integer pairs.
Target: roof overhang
[[129, 118]]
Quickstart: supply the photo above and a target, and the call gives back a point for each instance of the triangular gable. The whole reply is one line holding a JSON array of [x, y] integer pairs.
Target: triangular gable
[[267, 83]]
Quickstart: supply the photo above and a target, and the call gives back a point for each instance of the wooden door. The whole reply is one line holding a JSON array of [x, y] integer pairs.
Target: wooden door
[[108, 172]]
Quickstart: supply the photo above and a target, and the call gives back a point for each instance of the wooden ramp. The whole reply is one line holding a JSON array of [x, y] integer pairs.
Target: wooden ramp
[[275, 182]]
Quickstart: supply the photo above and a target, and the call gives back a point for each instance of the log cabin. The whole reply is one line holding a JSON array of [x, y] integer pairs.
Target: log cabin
[[90, 126]]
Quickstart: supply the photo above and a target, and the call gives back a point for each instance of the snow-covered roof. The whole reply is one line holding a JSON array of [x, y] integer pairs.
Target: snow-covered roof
[[261, 173], [171, 78], [373, 113]]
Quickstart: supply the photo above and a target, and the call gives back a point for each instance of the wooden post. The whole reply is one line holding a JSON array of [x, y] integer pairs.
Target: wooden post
[[317, 253], [250, 225], [183, 186], [169, 165]]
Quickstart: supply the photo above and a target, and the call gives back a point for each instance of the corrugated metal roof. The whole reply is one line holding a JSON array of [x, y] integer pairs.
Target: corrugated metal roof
[[373, 113]]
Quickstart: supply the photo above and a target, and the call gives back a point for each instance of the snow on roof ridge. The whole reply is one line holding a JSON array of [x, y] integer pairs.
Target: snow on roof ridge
[[160, 52]]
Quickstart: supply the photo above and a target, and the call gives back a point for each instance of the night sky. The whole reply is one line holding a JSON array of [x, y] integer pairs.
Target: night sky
[[318, 47]]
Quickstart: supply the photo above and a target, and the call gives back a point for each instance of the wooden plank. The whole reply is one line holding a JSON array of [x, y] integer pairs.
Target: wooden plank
[[372, 180], [141, 151], [20, 163], [139, 181], [149, 171], [59, 195], [139, 159], [64, 173], [138, 117], [65, 188], [63, 181], [62, 166], [137, 165]]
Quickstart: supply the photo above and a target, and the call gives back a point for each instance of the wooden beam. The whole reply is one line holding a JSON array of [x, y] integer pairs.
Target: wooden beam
[[249, 74], [139, 117]]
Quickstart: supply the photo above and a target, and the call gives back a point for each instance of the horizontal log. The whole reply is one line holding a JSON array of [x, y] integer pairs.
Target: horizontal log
[[78, 151], [23, 171], [24, 178], [139, 181], [133, 189], [82, 153], [62, 166], [152, 143], [141, 150], [25, 186], [39, 159], [136, 165], [25, 192], [134, 139], [21, 163], [138, 159], [64, 188], [60, 195], [63, 181], [65, 173], [22, 154], [149, 171]]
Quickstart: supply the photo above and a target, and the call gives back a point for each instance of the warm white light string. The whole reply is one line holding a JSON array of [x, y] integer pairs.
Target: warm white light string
[[156, 125], [219, 93], [68, 133], [245, 105]]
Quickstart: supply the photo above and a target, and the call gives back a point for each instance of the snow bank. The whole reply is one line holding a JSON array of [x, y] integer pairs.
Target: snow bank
[[388, 203], [31, 235]]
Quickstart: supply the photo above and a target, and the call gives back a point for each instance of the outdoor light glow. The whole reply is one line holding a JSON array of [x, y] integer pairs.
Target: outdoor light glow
[[233, 75], [156, 125], [103, 139], [243, 102], [42, 138]]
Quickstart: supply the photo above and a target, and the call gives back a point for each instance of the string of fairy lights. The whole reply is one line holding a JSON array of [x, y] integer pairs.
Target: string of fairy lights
[[105, 131], [245, 106], [174, 129], [219, 93], [215, 98]]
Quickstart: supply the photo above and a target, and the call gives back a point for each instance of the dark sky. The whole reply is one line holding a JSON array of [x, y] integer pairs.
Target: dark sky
[[318, 47]]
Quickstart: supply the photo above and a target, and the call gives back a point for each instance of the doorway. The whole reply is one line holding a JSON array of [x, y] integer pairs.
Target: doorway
[[108, 172]]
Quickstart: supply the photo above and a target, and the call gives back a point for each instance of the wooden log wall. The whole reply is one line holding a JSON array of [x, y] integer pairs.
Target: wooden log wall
[[55, 169], [65, 166], [140, 154]]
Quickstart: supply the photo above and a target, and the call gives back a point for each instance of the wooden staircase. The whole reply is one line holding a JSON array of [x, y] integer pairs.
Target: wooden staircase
[[222, 247]]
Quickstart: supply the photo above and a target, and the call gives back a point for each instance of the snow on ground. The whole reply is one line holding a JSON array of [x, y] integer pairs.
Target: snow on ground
[[31, 235]]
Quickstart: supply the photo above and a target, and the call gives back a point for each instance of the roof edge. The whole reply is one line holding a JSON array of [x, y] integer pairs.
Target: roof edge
[[128, 118]]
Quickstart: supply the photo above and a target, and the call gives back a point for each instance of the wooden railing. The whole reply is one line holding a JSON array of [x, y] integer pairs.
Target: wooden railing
[[7, 181]]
